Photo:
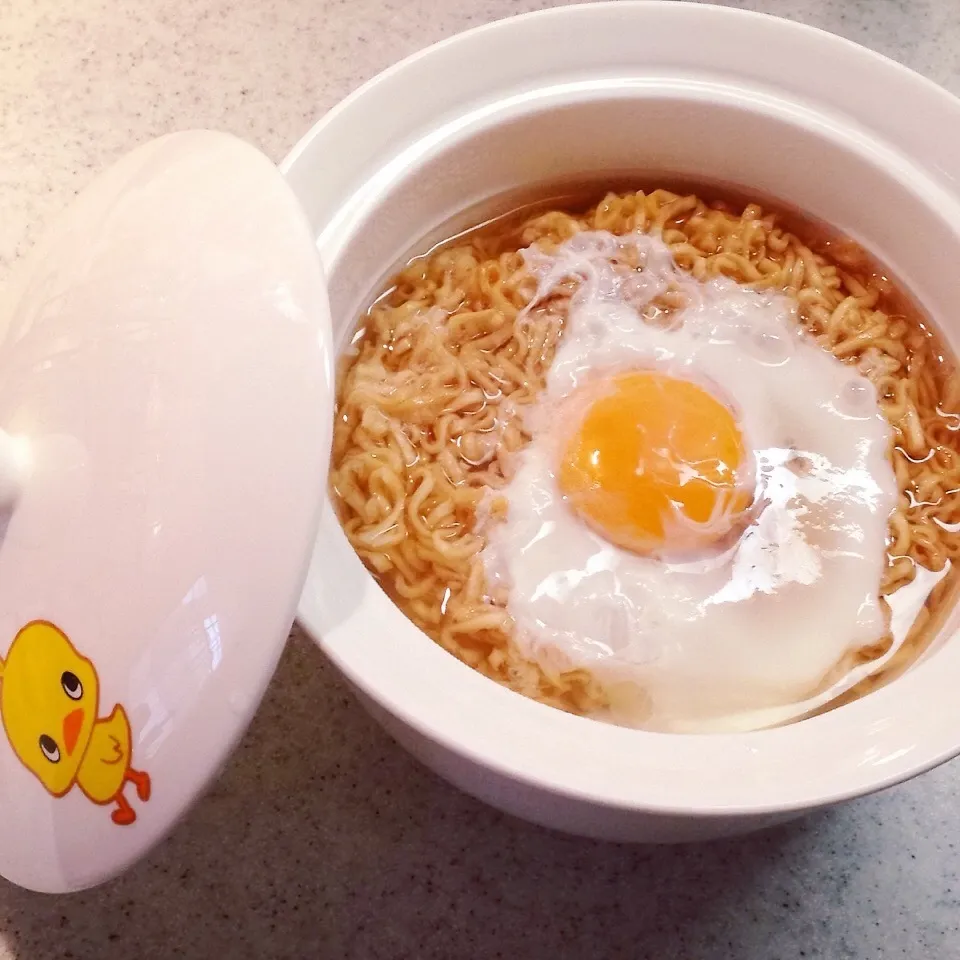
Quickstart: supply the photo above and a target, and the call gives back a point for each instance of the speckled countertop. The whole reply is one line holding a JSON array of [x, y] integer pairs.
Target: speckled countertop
[[322, 838]]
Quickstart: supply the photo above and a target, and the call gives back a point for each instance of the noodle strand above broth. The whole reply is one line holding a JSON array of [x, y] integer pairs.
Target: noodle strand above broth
[[431, 401]]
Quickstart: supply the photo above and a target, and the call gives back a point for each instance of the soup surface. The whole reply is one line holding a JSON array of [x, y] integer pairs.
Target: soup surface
[[678, 463]]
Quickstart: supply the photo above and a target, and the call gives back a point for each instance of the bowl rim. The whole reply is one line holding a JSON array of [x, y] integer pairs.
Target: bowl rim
[[870, 744]]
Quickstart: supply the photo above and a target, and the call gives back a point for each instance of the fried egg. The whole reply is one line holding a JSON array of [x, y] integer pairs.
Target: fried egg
[[700, 517]]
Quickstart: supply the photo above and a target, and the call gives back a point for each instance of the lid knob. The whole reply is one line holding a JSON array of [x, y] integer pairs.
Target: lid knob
[[14, 464]]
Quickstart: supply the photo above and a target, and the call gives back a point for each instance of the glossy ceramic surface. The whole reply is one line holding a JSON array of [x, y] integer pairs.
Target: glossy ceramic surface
[[593, 91], [165, 393]]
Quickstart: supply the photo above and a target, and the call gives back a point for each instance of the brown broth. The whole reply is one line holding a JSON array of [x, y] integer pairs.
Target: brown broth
[[498, 229]]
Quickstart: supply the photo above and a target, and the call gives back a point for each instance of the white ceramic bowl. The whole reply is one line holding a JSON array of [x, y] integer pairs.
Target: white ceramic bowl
[[704, 92]]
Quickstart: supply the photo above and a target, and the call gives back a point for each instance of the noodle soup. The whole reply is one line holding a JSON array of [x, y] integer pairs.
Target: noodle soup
[[451, 400]]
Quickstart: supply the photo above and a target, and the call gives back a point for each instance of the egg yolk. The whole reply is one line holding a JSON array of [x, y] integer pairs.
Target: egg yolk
[[653, 465]]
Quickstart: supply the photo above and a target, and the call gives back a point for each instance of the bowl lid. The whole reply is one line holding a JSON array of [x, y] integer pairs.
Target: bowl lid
[[165, 412]]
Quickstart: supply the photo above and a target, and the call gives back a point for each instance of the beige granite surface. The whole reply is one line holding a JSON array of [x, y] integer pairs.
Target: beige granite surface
[[322, 839]]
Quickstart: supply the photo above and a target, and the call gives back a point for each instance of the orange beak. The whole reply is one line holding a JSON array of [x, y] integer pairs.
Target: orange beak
[[72, 723]]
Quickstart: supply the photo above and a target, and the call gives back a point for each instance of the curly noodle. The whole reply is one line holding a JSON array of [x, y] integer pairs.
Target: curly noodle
[[429, 409]]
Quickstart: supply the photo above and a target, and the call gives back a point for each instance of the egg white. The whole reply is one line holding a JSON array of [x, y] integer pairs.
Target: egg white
[[738, 640]]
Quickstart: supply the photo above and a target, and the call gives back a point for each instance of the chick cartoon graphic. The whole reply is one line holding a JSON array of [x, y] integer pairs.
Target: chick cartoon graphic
[[49, 701]]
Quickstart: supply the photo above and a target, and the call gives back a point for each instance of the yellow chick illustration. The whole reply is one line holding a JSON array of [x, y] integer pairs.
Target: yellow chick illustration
[[49, 700]]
